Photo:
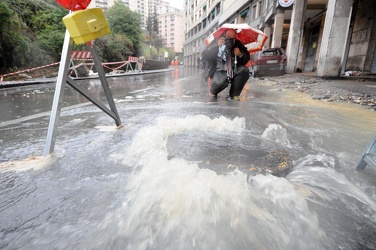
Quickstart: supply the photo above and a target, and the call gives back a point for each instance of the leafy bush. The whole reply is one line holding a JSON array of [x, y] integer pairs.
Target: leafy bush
[[31, 33], [114, 47]]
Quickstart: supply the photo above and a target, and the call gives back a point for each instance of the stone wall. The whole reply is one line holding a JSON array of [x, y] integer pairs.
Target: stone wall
[[154, 65]]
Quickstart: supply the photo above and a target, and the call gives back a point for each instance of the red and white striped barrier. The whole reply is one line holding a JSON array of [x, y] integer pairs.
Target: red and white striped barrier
[[27, 70], [81, 55], [123, 63], [132, 59]]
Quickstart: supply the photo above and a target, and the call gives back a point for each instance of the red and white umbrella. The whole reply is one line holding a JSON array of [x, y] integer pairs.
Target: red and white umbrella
[[252, 38]]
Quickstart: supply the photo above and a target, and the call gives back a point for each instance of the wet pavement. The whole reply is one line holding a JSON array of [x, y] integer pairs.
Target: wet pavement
[[354, 89], [185, 171]]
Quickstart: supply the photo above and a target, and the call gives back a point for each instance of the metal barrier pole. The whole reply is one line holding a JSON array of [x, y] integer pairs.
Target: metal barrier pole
[[59, 94], [104, 82], [368, 156], [62, 79]]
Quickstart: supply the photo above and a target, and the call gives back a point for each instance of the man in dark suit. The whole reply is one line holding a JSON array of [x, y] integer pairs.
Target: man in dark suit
[[227, 57]]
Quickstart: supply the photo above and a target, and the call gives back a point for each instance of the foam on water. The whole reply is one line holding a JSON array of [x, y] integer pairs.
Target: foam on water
[[32, 163], [109, 128], [275, 133], [172, 202], [317, 173]]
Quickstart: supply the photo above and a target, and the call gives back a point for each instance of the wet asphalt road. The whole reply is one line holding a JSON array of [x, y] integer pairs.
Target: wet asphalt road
[[175, 92], [185, 163]]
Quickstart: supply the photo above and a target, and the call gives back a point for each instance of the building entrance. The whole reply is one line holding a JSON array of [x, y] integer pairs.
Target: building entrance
[[309, 64]]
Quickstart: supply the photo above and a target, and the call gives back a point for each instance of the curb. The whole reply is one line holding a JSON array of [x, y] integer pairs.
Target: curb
[[10, 84]]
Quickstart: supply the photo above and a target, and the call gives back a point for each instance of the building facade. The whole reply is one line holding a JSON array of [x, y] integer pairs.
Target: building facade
[[170, 21], [144, 7], [328, 37], [201, 18]]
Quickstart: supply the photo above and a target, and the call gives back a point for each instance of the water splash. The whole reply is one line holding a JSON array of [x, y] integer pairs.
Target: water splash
[[317, 173], [163, 203], [175, 203], [275, 133]]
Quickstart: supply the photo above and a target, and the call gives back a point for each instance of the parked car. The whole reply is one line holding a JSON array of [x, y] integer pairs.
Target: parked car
[[268, 62]]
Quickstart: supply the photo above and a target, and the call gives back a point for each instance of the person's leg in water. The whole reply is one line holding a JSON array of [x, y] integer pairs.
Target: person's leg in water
[[219, 82], [238, 82]]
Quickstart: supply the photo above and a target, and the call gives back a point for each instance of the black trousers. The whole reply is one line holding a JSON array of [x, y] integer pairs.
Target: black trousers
[[220, 81]]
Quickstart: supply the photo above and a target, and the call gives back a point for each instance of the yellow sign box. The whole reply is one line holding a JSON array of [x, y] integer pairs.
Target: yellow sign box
[[86, 25]]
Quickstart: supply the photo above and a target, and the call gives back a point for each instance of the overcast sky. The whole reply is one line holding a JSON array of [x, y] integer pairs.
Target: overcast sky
[[176, 3]]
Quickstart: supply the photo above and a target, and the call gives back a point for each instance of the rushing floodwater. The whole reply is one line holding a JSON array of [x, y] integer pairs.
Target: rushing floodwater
[[273, 172]]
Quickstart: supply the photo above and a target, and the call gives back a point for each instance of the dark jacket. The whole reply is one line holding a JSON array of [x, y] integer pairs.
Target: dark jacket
[[210, 54]]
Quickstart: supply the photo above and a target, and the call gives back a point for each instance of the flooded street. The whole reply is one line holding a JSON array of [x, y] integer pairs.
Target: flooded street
[[185, 171]]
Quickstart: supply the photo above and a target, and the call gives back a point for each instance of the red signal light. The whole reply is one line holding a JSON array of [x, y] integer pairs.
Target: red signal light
[[74, 4]]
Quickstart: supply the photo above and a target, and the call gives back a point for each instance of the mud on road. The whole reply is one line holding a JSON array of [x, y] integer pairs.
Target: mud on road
[[359, 91]]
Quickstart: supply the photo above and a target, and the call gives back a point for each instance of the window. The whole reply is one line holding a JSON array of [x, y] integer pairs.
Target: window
[[259, 4], [243, 15], [270, 53], [254, 12]]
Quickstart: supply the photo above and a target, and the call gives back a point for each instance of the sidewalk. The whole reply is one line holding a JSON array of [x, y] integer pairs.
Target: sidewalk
[[354, 89]]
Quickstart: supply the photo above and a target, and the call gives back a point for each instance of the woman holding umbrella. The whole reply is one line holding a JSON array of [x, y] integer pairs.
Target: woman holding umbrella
[[227, 56]]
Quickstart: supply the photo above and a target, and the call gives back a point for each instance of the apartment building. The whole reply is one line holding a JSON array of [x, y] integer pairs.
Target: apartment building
[[201, 18], [327, 37], [170, 21], [144, 7]]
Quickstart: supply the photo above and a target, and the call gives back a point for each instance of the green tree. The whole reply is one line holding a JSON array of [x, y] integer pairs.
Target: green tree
[[149, 28], [127, 23], [155, 21], [49, 30], [14, 45], [32, 34], [146, 51], [114, 48], [29, 34], [152, 27], [170, 51], [158, 43]]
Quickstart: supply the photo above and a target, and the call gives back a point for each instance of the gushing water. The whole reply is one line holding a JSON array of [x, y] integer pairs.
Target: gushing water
[[163, 203], [276, 134], [173, 204]]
